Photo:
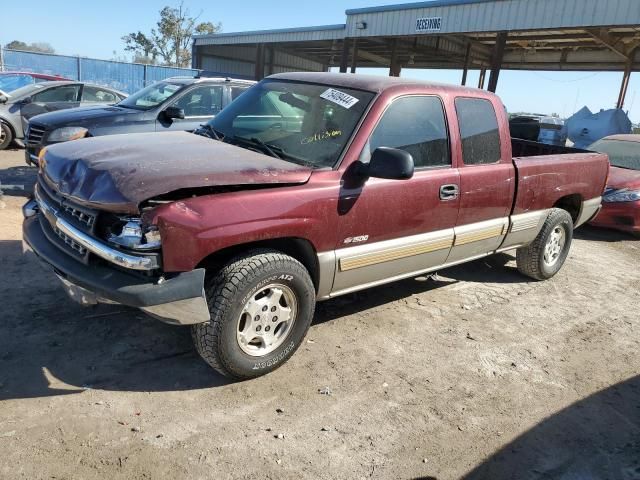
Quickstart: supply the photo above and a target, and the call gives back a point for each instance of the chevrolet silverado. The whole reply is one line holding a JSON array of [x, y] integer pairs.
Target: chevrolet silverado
[[307, 187]]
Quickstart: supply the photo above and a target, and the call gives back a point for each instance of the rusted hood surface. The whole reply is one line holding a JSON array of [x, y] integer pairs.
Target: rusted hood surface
[[118, 172]]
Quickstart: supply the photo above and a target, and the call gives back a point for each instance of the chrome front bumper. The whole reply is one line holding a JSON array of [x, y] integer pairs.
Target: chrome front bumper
[[112, 255]]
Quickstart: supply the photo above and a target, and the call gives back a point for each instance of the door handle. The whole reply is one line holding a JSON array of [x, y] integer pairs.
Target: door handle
[[449, 192]]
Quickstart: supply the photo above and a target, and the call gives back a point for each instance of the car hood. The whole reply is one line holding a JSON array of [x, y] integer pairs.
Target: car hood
[[118, 172], [623, 178], [84, 116]]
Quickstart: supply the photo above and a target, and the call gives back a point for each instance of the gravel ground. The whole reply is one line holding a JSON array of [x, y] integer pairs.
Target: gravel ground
[[478, 373]]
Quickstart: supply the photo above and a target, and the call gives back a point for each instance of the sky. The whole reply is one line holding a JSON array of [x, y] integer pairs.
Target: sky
[[94, 29]]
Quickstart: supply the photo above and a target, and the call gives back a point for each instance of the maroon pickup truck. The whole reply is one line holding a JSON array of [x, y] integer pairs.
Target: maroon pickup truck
[[307, 187]]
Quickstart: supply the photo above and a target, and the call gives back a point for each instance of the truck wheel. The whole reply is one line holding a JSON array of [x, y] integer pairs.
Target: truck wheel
[[543, 258], [6, 135], [261, 307]]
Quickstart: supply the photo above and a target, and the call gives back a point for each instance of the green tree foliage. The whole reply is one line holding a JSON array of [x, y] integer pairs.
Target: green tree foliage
[[169, 43], [41, 47]]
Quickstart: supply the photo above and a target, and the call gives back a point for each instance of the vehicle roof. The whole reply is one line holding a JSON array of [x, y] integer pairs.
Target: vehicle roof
[[33, 74], [190, 80], [624, 138], [372, 83]]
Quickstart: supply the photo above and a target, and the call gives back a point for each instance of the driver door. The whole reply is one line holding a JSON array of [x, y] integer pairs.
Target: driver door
[[390, 229]]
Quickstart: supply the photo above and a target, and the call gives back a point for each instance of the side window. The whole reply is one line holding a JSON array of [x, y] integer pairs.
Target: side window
[[98, 95], [204, 101], [479, 131], [65, 93], [416, 125], [237, 91]]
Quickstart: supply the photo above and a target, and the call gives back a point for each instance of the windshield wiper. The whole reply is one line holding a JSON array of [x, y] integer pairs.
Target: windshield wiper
[[269, 149], [210, 132]]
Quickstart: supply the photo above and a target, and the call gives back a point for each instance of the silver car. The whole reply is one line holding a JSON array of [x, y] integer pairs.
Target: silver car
[[18, 107]]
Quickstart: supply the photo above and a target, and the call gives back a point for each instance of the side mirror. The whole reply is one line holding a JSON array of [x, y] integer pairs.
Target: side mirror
[[390, 164], [173, 112], [3, 98]]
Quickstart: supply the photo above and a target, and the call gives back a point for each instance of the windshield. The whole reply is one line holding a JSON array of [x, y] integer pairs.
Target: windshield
[[303, 123], [621, 153], [152, 96], [9, 83]]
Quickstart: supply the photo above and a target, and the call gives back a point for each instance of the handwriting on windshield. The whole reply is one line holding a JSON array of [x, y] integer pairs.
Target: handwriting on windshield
[[318, 137]]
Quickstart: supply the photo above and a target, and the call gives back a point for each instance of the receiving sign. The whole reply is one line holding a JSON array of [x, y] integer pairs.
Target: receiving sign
[[431, 24]]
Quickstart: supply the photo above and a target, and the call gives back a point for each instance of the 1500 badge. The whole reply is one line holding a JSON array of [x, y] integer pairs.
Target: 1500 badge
[[360, 239]]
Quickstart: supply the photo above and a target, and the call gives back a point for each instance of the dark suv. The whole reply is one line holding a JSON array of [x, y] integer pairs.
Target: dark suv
[[180, 103]]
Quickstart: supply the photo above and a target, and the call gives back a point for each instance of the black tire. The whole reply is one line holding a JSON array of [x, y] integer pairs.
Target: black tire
[[229, 290], [6, 135], [531, 259]]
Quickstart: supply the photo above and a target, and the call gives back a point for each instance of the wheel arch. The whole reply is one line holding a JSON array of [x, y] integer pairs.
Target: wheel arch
[[572, 204], [298, 248]]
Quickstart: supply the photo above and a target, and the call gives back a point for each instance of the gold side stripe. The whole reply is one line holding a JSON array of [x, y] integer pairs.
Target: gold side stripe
[[394, 254], [471, 237]]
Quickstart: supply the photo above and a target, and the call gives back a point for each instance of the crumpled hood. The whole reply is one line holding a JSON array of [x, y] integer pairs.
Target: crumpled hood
[[623, 178], [118, 172]]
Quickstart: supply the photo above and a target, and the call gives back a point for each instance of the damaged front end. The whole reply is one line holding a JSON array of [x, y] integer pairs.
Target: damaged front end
[[104, 258]]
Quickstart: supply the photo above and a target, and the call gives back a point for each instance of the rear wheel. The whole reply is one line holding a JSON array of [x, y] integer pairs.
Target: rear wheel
[[261, 307], [543, 258], [6, 135]]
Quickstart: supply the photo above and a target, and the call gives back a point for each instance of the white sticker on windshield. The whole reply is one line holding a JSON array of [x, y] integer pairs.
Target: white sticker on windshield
[[340, 98]]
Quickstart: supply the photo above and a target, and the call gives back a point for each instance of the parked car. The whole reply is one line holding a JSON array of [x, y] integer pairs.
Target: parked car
[[621, 201], [182, 103], [239, 229], [20, 105], [10, 81]]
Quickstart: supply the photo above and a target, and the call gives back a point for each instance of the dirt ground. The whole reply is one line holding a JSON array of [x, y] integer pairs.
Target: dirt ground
[[479, 373]]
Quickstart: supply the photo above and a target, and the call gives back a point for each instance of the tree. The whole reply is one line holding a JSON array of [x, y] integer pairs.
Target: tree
[[171, 39], [41, 47]]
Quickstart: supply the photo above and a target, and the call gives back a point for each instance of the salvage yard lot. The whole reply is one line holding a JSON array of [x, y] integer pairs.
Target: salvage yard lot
[[478, 373]]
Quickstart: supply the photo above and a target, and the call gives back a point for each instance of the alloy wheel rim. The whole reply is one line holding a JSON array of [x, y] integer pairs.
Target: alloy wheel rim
[[266, 320], [554, 247], [3, 135]]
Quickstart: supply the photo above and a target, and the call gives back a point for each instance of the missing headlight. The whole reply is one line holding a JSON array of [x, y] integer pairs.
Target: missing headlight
[[130, 233]]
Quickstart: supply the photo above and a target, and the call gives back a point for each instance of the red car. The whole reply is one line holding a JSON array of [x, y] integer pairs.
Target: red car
[[621, 200], [307, 187], [10, 81]]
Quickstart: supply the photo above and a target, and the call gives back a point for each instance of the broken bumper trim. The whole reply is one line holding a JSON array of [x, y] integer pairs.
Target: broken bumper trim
[[179, 300]]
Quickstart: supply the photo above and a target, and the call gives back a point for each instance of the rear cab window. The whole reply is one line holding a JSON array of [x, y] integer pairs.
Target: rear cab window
[[479, 131], [417, 125]]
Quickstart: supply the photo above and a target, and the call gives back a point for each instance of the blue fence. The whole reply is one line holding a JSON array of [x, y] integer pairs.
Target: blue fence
[[126, 77]]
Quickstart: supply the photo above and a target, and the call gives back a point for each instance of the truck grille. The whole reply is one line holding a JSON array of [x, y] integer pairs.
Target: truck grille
[[70, 242], [81, 217], [35, 134]]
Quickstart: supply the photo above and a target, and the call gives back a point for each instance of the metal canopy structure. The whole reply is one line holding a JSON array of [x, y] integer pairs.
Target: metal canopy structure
[[484, 35]]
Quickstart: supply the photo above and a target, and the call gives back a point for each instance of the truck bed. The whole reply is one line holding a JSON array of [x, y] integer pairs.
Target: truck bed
[[555, 173], [527, 148]]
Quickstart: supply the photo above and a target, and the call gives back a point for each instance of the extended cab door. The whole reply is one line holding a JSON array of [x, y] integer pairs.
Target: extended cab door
[[390, 229], [200, 104], [487, 179]]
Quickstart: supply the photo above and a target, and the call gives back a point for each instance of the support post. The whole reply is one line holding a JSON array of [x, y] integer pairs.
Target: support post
[[272, 55], [144, 75], [354, 56], [79, 69], [259, 72], [625, 80], [395, 68], [465, 72], [496, 61], [1, 59], [483, 76], [344, 59]]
